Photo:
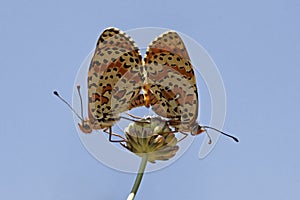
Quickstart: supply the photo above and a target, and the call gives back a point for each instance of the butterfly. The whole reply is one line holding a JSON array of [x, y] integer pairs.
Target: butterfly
[[170, 85], [115, 77]]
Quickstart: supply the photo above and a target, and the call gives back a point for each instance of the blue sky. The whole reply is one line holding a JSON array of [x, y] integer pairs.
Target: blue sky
[[255, 46]]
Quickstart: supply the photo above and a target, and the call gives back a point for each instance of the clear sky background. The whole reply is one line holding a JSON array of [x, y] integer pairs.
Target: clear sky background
[[255, 45]]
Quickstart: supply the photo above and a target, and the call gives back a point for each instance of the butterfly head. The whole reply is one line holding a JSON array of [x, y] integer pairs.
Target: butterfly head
[[197, 129], [85, 126]]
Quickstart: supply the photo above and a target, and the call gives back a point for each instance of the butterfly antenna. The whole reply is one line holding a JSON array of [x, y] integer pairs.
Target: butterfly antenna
[[62, 99], [234, 138], [80, 97]]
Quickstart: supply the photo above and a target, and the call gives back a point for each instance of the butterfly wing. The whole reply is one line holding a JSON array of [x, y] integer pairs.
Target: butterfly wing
[[171, 79], [114, 77]]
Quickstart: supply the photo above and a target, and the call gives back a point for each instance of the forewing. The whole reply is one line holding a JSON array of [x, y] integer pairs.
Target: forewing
[[114, 77], [171, 78]]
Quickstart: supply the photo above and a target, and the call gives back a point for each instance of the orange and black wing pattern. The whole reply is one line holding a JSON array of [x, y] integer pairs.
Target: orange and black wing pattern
[[171, 79], [115, 77]]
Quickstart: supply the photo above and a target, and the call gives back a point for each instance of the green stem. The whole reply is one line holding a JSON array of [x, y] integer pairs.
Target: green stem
[[138, 177]]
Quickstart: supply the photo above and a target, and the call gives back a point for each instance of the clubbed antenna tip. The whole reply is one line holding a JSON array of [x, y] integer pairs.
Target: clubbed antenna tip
[[234, 138], [63, 100], [55, 93]]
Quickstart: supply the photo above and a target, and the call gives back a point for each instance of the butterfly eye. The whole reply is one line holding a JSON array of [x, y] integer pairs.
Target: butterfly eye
[[195, 130], [87, 127]]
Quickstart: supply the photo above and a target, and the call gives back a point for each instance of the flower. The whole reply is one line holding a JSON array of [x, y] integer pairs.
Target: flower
[[151, 136]]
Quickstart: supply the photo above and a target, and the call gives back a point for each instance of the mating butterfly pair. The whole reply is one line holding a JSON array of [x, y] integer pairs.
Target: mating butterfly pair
[[117, 76]]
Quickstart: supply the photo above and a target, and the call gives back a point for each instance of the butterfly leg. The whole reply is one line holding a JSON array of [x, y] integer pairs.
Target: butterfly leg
[[185, 135], [109, 131], [133, 116], [146, 122]]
